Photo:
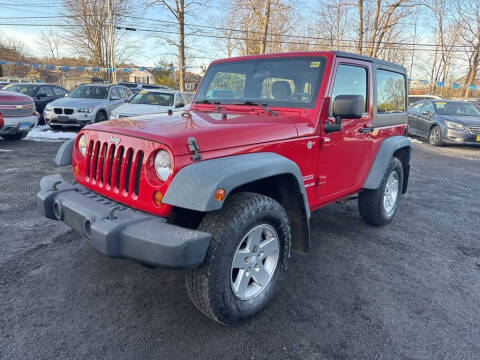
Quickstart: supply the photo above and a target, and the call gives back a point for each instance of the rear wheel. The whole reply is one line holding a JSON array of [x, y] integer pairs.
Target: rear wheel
[[378, 206], [246, 260], [17, 136], [435, 136]]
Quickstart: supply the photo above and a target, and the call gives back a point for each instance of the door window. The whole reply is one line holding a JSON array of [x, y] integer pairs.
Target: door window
[[115, 92], [350, 80], [45, 90], [59, 91], [391, 92], [415, 109], [428, 107]]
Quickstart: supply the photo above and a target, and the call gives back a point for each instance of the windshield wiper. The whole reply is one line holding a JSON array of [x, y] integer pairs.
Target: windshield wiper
[[206, 101], [264, 107]]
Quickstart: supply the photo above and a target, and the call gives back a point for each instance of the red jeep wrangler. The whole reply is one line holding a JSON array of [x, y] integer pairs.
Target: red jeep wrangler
[[17, 115], [226, 189]]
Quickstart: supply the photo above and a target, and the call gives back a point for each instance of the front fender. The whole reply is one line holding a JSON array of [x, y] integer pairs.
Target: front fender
[[194, 186]]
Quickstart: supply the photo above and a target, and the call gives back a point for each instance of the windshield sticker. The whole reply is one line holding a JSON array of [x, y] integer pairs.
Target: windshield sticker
[[143, 92], [315, 64], [441, 103]]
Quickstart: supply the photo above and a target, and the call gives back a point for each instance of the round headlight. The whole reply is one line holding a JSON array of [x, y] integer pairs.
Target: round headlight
[[82, 144], [163, 165]]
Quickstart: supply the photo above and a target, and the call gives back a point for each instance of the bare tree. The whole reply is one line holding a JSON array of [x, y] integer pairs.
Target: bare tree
[[88, 32], [50, 43]]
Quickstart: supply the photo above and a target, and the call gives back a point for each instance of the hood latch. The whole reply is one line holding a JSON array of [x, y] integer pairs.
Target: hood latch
[[194, 148]]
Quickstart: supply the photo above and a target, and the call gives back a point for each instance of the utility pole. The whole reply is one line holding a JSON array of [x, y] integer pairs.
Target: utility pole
[[112, 49]]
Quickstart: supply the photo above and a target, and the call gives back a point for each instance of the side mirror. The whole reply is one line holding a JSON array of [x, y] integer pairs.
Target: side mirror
[[114, 97], [179, 105], [426, 113], [345, 107]]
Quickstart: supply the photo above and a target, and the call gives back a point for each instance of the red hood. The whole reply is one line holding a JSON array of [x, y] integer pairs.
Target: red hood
[[210, 131], [10, 96]]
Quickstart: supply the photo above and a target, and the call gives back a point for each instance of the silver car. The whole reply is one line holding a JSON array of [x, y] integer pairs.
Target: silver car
[[86, 104]]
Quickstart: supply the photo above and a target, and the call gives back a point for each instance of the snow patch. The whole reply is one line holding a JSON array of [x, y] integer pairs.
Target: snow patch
[[416, 141], [45, 133]]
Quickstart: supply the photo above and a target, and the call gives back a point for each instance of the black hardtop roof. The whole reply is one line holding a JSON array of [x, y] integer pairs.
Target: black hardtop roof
[[348, 55]]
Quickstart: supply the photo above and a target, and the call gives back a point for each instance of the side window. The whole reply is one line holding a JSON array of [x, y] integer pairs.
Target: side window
[[45, 90], [180, 99], [390, 92], [58, 91], [428, 107], [415, 108], [115, 92], [350, 80]]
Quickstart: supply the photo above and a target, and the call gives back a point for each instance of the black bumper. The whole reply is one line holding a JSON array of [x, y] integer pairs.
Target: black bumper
[[119, 231]]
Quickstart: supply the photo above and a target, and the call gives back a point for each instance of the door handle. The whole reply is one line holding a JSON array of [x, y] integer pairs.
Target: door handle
[[366, 130]]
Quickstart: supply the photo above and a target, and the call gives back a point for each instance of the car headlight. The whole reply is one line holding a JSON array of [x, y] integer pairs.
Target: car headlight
[[163, 165], [114, 115], [454, 125], [87, 110], [48, 108], [82, 144]]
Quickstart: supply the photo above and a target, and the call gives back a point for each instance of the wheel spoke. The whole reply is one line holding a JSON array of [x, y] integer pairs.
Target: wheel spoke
[[239, 259], [255, 238], [268, 246], [260, 275], [241, 282]]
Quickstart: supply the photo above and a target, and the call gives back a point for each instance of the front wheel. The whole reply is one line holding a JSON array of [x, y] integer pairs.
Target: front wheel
[[101, 116], [378, 206], [246, 260], [17, 136], [435, 136]]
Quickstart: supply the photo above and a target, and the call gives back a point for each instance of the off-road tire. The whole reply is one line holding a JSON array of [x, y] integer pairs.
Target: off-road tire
[[101, 116], [370, 202], [209, 286], [435, 140], [13, 137]]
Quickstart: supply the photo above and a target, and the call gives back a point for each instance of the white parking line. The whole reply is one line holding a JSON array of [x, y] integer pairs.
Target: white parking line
[[4, 150]]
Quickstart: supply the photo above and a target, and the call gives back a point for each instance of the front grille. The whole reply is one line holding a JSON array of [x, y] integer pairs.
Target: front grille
[[68, 111], [16, 108], [57, 110], [474, 129], [115, 167]]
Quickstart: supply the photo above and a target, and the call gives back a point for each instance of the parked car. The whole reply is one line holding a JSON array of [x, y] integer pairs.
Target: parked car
[[17, 115], [86, 104], [445, 121], [136, 87], [225, 190], [414, 98], [15, 80], [150, 102], [188, 96], [3, 84], [42, 94]]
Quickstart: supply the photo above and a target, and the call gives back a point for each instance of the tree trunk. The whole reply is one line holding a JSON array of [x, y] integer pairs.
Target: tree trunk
[[181, 42], [472, 72], [360, 27], [266, 20]]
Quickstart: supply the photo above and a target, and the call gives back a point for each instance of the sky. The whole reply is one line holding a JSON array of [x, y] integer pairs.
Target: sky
[[150, 49]]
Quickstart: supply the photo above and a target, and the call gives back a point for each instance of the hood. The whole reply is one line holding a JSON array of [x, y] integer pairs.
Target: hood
[[464, 120], [129, 109], [77, 102], [210, 131], [12, 96]]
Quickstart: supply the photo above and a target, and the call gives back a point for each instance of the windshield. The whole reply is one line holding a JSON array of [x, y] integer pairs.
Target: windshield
[[90, 92], [456, 108], [287, 82], [23, 89], [153, 98]]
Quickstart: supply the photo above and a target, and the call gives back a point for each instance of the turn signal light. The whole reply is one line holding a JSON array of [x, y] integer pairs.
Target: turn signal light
[[76, 170], [157, 198], [220, 194]]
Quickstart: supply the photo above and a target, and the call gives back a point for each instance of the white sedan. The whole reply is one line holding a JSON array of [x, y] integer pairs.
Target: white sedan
[[151, 101]]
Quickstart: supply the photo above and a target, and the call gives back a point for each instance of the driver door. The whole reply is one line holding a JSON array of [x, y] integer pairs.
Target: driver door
[[344, 154]]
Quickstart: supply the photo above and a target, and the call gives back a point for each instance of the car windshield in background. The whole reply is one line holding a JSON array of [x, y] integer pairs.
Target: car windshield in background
[[23, 89], [456, 108], [286, 82], [152, 98], [90, 92]]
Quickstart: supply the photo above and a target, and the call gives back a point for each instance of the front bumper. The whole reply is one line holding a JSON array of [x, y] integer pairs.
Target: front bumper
[[119, 231], [75, 119], [12, 124], [452, 136]]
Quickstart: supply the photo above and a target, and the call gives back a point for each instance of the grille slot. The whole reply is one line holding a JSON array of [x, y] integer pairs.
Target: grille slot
[[68, 111], [119, 167], [138, 172], [111, 155], [57, 110], [474, 129], [128, 168]]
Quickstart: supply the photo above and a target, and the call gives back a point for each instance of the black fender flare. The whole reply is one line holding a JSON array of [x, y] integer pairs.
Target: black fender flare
[[64, 153], [194, 186], [388, 147]]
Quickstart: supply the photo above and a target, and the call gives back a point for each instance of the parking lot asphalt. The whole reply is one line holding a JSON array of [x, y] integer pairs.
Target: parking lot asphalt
[[409, 290]]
